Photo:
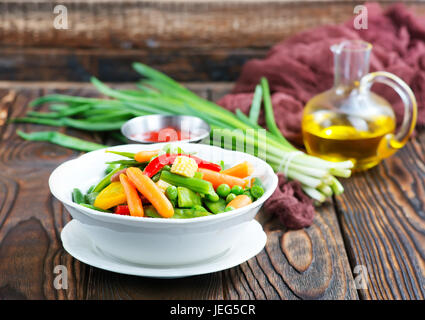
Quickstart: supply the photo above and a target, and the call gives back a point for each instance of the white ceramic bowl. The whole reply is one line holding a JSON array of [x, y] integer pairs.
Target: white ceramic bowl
[[156, 241]]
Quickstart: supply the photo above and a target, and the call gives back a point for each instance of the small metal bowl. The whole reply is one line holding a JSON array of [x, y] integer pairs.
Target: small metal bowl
[[197, 128]]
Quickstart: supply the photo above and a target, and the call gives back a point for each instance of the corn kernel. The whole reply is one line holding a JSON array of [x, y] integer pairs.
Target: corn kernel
[[162, 185], [184, 166]]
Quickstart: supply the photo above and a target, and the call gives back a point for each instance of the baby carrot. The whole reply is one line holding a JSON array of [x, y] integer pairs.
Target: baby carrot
[[239, 202], [241, 170], [151, 191], [133, 200], [145, 156], [217, 178]]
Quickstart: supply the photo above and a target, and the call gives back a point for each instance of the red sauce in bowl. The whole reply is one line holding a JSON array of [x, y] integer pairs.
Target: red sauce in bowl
[[168, 134]]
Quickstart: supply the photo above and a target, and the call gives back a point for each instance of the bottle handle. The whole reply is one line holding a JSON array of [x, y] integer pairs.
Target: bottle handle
[[393, 142]]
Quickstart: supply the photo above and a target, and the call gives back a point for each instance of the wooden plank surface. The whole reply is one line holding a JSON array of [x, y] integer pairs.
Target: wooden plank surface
[[304, 264], [382, 216]]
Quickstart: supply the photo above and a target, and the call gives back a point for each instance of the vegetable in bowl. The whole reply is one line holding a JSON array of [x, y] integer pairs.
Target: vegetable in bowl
[[170, 183], [158, 241]]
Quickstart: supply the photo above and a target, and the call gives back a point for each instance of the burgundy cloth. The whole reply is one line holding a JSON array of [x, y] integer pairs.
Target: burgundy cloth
[[294, 209], [302, 66]]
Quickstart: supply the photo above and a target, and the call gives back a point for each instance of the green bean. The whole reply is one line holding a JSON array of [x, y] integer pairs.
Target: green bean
[[77, 196], [110, 168], [186, 198], [106, 180], [131, 163], [61, 139], [124, 154], [217, 206], [189, 213], [197, 185], [213, 196], [93, 207]]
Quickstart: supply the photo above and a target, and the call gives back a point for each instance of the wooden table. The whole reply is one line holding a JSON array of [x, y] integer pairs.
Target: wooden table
[[378, 223]]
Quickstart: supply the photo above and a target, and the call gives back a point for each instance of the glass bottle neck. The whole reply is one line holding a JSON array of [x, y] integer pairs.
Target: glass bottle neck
[[351, 63]]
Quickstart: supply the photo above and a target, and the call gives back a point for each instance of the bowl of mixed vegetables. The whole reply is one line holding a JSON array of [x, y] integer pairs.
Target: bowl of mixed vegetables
[[162, 205]]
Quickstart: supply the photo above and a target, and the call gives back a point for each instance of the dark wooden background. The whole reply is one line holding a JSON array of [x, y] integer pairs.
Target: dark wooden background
[[379, 222], [191, 40]]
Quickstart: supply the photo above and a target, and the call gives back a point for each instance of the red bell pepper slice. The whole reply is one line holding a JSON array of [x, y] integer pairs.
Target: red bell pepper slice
[[122, 210], [206, 164], [167, 159]]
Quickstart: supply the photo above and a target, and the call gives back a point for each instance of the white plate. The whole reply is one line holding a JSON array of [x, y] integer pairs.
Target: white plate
[[79, 245]]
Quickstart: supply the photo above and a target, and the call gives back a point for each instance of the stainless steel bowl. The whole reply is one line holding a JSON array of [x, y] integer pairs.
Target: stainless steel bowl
[[197, 127]]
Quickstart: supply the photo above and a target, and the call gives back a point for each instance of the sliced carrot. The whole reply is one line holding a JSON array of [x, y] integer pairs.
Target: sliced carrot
[[133, 200], [241, 170], [145, 156], [217, 178], [150, 191], [240, 201]]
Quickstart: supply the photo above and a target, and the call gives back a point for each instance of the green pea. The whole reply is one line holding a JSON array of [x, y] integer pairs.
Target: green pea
[[237, 190], [171, 193], [229, 209], [248, 193], [110, 168], [230, 197], [223, 190], [257, 191]]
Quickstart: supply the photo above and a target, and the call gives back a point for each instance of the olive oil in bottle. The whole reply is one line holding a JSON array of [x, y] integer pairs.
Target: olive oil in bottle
[[349, 121], [338, 137]]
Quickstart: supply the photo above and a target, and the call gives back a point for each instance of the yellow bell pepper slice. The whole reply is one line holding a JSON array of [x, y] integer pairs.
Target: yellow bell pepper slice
[[111, 196]]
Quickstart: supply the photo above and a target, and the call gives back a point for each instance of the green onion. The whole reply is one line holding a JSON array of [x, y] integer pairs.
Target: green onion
[[254, 111], [61, 139]]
